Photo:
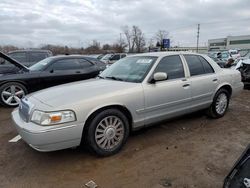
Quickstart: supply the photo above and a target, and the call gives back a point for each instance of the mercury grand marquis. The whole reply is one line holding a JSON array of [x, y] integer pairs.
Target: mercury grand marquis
[[135, 92]]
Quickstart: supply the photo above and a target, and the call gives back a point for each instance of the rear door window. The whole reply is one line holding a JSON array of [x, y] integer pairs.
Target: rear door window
[[65, 64], [84, 63], [207, 67], [198, 65], [194, 64]]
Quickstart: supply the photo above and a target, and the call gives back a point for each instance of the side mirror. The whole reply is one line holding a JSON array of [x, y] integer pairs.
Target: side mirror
[[159, 76]]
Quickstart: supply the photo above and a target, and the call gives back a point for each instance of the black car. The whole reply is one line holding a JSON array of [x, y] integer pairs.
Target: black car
[[46, 73], [239, 176], [24, 57]]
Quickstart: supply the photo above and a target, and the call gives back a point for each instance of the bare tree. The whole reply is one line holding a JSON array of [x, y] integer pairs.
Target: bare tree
[[120, 45], [160, 35], [93, 48], [129, 37], [151, 43], [8, 48], [106, 47], [139, 39]]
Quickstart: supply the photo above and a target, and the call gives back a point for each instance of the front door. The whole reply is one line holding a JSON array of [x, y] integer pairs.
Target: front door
[[168, 98]]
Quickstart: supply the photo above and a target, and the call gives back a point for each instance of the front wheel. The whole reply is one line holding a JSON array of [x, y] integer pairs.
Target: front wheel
[[11, 93], [108, 132], [220, 104]]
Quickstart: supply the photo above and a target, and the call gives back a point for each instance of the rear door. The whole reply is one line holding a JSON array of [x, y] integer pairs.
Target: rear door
[[203, 80], [170, 97]]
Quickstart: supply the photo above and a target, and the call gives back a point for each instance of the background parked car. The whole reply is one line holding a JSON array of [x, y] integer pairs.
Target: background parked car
[[29, 57], [243, 66], [46, 73], [112, 58], [234, 54], [24, 57]]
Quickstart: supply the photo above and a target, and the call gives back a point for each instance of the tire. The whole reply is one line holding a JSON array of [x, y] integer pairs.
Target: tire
[[108, 128], [10, 91], [220, 104]]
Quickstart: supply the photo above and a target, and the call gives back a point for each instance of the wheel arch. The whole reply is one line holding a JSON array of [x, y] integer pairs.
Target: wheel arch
[[94, 112], [225, 86], [16, 81]]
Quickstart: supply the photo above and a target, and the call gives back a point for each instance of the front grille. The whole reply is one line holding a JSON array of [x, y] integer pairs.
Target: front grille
[[24, 110]]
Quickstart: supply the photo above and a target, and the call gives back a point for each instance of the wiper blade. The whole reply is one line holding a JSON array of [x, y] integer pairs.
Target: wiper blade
[[114, 78]]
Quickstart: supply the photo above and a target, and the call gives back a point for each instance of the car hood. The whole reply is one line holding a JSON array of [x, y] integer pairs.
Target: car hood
[[14, 62], [76, 92]]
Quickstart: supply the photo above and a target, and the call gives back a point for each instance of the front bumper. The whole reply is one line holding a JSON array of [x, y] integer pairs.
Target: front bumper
[[48, 138]]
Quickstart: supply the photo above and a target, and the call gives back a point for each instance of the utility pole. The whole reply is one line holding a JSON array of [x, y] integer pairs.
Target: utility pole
[[120, 37], [198, 37]]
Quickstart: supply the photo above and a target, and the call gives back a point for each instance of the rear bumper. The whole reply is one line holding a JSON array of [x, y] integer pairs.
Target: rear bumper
[[237, 89], [48, 138]]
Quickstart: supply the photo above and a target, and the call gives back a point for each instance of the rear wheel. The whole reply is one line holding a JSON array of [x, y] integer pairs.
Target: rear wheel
[[11, 93], [220, 104], [108, 132]]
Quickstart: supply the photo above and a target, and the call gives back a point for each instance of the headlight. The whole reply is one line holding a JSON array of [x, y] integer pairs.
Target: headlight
[[52, 118]]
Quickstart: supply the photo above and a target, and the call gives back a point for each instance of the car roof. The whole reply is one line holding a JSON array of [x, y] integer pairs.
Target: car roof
[[30, 50], [161, 54], [67, 56]]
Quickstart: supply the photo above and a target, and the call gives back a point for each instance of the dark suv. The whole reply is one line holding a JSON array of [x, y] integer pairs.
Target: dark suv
[[24, 57], [29, 57]]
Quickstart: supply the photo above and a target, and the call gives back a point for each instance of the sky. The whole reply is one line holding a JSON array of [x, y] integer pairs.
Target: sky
[[76, 23]]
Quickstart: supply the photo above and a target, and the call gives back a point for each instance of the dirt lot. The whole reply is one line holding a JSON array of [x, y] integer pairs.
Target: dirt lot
[[191, 151]]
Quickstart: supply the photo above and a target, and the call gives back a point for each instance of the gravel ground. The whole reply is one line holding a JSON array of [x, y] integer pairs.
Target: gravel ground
[[190, 151]]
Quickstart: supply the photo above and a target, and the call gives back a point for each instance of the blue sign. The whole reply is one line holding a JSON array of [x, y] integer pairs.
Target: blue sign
[[166, 43]]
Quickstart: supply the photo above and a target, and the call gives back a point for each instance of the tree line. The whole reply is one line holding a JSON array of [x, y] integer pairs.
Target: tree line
[[133, 41]]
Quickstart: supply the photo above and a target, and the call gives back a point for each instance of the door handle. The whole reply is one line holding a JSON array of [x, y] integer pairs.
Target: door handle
[[78, 72], [215, 80], [186, 85]]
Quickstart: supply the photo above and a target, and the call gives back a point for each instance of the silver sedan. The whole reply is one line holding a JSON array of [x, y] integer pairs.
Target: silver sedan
[[135, 92]]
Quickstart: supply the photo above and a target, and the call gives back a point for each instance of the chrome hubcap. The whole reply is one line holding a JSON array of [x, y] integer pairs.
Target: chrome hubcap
[[11, 95], [221, 103], [109, 132]]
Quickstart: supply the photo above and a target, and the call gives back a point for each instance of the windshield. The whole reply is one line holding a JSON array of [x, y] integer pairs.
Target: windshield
[[129, 69], [40, 65]]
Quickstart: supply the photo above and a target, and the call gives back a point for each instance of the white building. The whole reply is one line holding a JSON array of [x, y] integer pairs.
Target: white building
[[231, 42]]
